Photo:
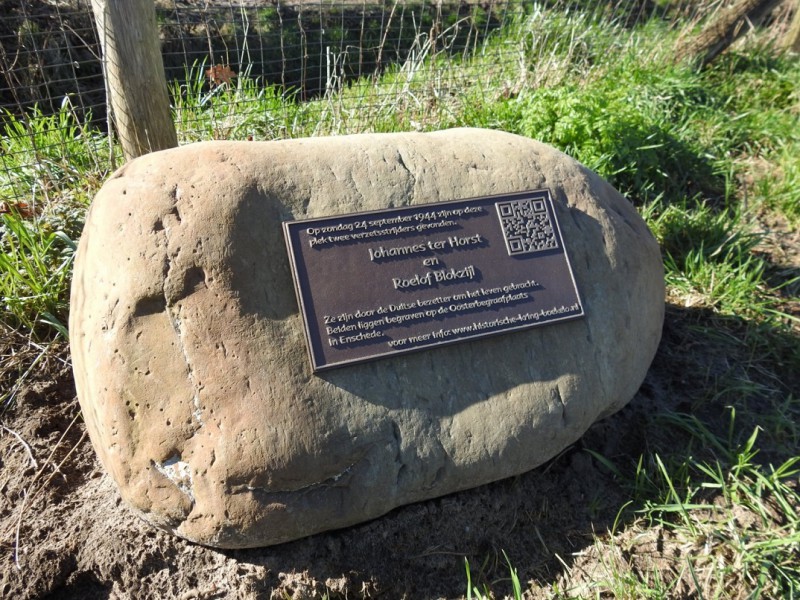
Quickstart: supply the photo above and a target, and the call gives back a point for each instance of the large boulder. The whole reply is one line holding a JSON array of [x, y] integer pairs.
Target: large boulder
[[191, 364]]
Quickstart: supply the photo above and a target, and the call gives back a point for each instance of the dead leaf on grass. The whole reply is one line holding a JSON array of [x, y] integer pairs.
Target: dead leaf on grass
[[23, 209], [219, 74]]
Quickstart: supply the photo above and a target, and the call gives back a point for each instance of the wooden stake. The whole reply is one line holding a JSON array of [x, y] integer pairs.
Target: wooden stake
[[134, 72]]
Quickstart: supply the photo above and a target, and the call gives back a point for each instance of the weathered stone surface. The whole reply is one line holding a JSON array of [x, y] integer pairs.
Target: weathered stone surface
[[191, 364]]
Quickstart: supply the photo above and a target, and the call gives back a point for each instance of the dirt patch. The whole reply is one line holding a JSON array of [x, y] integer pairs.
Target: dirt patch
[[67, 533]]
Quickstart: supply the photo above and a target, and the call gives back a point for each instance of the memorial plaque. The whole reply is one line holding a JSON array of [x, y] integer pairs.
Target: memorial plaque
[[381, 283]]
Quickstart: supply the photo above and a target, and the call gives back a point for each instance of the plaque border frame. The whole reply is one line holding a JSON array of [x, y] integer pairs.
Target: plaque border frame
[[520, 195]]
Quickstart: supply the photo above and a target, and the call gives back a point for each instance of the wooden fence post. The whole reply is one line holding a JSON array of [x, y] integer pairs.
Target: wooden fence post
[[134, 72]]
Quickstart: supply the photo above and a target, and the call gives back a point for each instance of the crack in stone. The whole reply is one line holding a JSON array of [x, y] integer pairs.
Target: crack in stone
[[401, 159], [398, 440], [173, 312], [177, 325], [397, 436], [563, 404], [328, 482], [178, 472]]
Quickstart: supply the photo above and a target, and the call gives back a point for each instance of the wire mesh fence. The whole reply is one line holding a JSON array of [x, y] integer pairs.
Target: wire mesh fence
[[263, 70]]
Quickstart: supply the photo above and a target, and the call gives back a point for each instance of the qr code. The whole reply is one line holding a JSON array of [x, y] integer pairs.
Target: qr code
[[526, 226]]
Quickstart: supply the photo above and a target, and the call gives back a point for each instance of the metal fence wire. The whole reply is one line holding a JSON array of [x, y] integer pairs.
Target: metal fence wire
[[301, 50]]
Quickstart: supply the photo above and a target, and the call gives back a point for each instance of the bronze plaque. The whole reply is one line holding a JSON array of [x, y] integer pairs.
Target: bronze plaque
[[382, 283]]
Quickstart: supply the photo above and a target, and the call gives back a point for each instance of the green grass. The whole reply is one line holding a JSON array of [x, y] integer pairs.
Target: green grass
[[711, 259], [486, 593], [47, 155], [50, 166], [712, 161], [730, 521], [35, 267]]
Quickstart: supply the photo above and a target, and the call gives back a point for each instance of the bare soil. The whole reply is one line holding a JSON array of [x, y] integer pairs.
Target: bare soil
[[67, 534]]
